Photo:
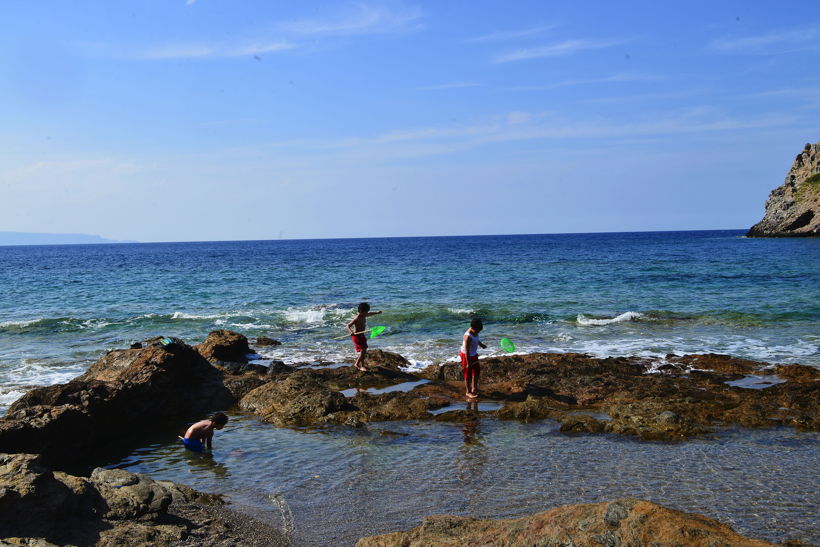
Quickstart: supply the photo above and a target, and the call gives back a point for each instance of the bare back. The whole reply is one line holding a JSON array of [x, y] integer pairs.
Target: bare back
[[200, 430], [359, 323]]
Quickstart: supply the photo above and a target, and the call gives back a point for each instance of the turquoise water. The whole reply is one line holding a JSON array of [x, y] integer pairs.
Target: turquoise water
[[646, 294], [341, 484]]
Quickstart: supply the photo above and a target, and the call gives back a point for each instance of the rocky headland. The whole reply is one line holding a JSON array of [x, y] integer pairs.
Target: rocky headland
[[118, 402], [793, 208]]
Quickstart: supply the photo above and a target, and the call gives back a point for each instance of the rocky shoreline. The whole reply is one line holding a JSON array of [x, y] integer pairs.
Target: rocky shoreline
[[59, 428]]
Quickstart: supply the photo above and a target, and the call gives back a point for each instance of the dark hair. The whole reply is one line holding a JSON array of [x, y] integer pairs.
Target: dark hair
[[476, 324], [219, 418], [364, 307]]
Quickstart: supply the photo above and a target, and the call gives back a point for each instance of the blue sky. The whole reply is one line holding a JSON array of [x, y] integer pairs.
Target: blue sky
[[181, 120]]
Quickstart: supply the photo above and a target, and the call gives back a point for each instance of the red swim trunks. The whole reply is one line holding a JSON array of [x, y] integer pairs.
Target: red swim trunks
[[470, 367], [359, 341]]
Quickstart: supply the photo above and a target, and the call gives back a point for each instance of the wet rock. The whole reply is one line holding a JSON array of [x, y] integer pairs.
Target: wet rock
[[265, 341], [114, 508], [241, 368], [225, 345], [130, 496], [123, 394], [620, 522], [386, 359], [797, 373], [299, 399], [669, 417], [718, 363], [580, 423], [277, 368]]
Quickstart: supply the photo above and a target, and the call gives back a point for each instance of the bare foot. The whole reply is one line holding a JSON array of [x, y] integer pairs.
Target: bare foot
[[363, 369]]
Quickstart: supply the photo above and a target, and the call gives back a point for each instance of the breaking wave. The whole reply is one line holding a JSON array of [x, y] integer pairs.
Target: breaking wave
[[626, 316]]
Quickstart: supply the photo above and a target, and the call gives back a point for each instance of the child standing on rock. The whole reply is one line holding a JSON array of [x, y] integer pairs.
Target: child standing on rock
[[469, 358], [357, 329], [203, 431]]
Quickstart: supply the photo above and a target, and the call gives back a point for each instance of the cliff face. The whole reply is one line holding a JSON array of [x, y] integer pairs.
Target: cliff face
[[793, 209]]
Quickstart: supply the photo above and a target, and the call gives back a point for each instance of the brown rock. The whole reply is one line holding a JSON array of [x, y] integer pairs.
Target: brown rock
[[718, 363], [114, 508], [621, 522], [562, 387], [123, 394], [225, 345], [297, 400], [797, 373], [265, 341]]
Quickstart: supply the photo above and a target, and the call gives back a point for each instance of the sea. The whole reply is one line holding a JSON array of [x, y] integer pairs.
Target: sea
[[646, 294]]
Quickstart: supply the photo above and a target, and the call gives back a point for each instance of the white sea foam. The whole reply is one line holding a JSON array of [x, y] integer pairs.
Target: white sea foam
[[30, 372], [8, 396], [23, 323], [461, 311], [252, 326], [626, 316], [315, 314], [183, 315]]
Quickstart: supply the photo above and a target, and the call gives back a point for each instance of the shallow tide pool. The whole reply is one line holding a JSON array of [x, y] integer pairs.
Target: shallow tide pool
[[344, 484]]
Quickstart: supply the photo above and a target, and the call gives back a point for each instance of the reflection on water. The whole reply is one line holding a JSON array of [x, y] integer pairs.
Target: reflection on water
[[403, 387], [756, 382], [347, 483], [474, 406]]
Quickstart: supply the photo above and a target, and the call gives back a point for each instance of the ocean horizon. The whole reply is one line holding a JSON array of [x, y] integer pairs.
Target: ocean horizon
[[134, 242]]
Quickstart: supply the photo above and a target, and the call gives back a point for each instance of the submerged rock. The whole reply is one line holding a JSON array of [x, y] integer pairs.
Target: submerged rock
[[114, 508], [623, 521], [793, 209], [265, 341]]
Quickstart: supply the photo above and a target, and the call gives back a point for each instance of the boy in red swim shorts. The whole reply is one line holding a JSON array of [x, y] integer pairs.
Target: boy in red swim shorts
[[469, 358], [357, 329]]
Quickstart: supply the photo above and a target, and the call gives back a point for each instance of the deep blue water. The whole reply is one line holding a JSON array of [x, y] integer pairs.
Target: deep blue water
[[644, 294]]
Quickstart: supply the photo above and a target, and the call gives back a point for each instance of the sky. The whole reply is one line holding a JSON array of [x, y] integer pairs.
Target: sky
[[197, 120]]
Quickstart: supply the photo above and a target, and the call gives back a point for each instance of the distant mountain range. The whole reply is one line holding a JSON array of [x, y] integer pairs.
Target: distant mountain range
[[27, 238]]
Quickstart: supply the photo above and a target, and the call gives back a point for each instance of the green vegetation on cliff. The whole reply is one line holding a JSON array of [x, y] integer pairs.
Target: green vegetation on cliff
[[808, 188]]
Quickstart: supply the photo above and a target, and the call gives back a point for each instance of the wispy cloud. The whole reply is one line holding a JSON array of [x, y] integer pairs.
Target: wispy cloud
[[520, 126], [790, 92], [454, 85], [560, 49], [510, 35], [568, 83], [772, 43], [357, 19], [210, 51]]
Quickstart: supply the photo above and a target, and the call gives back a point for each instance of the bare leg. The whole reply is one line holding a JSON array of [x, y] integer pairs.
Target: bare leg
[[475, 380], [360, 361]]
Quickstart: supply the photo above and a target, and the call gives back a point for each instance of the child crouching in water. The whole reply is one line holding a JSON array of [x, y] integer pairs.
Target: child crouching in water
[[469, 358], [203, 431]]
